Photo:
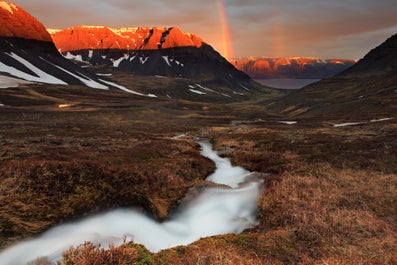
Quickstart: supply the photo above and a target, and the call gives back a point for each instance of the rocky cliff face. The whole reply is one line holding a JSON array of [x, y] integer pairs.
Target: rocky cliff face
[[142, 38], [292, 67]]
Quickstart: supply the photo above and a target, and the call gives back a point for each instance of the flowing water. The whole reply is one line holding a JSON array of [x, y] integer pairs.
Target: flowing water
[[214, 211]]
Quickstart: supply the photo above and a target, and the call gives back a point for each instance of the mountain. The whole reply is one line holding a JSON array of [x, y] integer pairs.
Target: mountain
[[28, 53], [17, 23], [291, 67], [151, 51], [368, 89], [156, 62], [379, 61], [101, 37]]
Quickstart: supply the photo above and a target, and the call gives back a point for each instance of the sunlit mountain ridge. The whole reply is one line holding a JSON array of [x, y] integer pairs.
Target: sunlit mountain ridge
[[128, 38], [291, 67]]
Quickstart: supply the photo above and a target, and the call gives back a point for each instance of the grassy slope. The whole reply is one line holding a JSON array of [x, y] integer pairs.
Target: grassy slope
[[69, 163], [352, 97], [331, 199]]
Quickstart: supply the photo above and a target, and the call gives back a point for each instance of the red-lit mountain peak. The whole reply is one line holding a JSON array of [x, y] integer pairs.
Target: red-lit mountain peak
[[16, 22], [88, 37], [177, 38], [143, 38], [292, 67]]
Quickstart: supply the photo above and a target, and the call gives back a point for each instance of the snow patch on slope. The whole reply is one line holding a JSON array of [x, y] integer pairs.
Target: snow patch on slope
[[380, 120], [74, 57], [117, 62], [197, 91], [41, 75], [53, 31], [87, 81], [8, 6], [103, 74], [288, 122], [121, 87], [360, 123], [6, 82], [143, 60], [167, 60], [207, 89], [244, 87], [347, 124], [127, 90]]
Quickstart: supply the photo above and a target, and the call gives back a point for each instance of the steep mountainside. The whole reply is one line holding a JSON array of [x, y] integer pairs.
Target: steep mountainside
[[380, 60], [27, 52], [366, 90], [291, 67], [151, 51]]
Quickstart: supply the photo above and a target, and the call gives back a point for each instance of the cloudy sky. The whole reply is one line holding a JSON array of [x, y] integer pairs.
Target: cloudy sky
[[271, 28]]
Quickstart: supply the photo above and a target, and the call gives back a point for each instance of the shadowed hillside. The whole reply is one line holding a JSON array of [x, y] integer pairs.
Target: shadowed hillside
[[366, 90]]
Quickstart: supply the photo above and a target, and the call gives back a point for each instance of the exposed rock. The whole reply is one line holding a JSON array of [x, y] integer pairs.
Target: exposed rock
[[142, 38], [16, 22]]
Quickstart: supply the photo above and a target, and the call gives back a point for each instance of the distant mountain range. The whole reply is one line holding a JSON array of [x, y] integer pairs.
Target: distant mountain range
[[368, 89], [132, 60], [291, 67], [170, 64]]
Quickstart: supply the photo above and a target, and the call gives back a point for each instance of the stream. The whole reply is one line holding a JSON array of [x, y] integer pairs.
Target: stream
[[214, 211]]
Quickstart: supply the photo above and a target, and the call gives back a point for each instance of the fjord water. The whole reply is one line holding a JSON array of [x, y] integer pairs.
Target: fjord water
[[287, 83], [214, 211]]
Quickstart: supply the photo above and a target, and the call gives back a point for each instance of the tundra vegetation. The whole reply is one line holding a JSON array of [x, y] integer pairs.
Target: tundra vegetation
[[330, 197]]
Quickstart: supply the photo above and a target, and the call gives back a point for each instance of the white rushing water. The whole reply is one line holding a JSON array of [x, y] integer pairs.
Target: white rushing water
[[214, 211]]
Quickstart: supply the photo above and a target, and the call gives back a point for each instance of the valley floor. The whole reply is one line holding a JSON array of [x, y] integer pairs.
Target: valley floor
[[331, 197]]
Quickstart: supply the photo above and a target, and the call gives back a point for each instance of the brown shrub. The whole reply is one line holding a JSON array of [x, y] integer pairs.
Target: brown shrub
[[335, 212], [154, 174], [89, 253]]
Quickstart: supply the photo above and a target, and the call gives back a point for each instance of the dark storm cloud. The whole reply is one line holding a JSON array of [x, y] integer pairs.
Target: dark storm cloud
[[319, 28]]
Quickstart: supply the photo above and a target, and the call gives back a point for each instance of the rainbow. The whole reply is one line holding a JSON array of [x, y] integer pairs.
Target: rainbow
[[277, 47], [226, 42]]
